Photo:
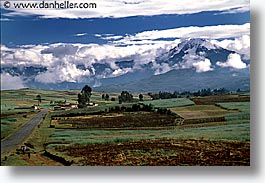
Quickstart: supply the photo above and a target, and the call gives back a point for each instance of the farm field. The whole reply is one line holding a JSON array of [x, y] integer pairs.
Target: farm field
[[161, 152], [177, 132], [168, 103]]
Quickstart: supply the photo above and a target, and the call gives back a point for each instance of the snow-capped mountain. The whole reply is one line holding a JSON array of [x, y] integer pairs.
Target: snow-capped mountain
[[191, 51]]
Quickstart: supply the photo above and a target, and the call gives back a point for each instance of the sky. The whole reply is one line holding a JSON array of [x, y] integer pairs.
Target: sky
[[62, 39]]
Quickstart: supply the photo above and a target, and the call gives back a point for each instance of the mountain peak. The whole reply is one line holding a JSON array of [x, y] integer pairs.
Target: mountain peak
[[195, 43]]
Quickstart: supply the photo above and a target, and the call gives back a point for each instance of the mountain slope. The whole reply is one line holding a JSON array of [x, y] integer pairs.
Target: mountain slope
[[185, 80]]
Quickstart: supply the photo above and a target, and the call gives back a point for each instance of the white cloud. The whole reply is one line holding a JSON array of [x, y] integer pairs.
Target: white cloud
[[61, 50], [234, 61], [111, 37], [207, 32], [127, 8], [5, 19], [161, 68], [240, 45], [119, 72], [80, 34], [68, 72], [11, 82], [203, 66]]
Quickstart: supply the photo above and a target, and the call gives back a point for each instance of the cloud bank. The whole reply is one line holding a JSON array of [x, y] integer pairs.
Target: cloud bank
[[234, 61], [203, 66], [9, 82], [241, 44]]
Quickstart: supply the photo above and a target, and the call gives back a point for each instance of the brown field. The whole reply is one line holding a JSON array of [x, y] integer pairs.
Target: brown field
[[202, 114], [211, 100], [143, 119], [201, 111], [161, 152]]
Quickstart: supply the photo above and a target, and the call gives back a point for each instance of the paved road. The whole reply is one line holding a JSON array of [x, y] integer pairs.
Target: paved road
[[12, 141]]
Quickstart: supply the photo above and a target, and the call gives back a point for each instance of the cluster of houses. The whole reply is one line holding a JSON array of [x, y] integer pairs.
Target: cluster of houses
[[66, 106], [69, 106], [62, 106]]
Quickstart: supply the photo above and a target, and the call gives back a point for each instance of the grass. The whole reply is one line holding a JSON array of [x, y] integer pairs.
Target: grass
[[13, 160], [12, 122], [169, 103], [235, 128], [41, 135], [231, 131], [243, 107]]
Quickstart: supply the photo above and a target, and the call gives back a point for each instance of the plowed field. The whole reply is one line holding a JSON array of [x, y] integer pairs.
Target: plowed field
[[211, 100], [162, 152], [121, 121]]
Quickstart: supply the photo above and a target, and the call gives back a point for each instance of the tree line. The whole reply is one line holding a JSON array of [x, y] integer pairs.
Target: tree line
[[126, 97], [83, 98], [187, 94]]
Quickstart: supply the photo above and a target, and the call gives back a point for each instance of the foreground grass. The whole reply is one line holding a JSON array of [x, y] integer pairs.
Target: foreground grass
[[36, 144], [13, 160], [11, 123]]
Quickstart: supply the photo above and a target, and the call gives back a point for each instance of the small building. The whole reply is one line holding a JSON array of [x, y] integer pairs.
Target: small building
[[74, 106], [92, 104], [35, 107]]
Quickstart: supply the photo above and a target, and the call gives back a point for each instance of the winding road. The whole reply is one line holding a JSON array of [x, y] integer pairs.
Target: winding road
[[20, 135]]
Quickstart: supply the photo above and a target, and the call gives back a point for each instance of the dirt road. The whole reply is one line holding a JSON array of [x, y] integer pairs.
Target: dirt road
[[18, 137]]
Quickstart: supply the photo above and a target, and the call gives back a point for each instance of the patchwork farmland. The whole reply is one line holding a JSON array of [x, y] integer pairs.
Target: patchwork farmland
[[212, 130]]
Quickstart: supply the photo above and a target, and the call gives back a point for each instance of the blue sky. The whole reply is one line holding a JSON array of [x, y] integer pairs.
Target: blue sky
[[39, 31], [117, 30]]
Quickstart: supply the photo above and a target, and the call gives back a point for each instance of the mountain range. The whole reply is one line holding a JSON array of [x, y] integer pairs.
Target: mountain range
[[191, 65]]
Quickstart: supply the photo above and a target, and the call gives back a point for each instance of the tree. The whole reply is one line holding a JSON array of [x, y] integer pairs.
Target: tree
[[86, 92], [125, 97], [84, 97], [120, 100], [107, 97], [141, 97], [38, 97]]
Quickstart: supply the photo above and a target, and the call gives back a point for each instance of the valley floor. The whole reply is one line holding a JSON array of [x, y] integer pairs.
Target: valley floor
[[202, 131]]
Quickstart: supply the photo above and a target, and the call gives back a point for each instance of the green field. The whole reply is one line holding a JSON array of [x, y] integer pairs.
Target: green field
[[242, 107], [219, 122]]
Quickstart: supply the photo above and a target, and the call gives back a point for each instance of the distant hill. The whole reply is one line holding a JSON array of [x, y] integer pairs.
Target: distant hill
[[185, 80]]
